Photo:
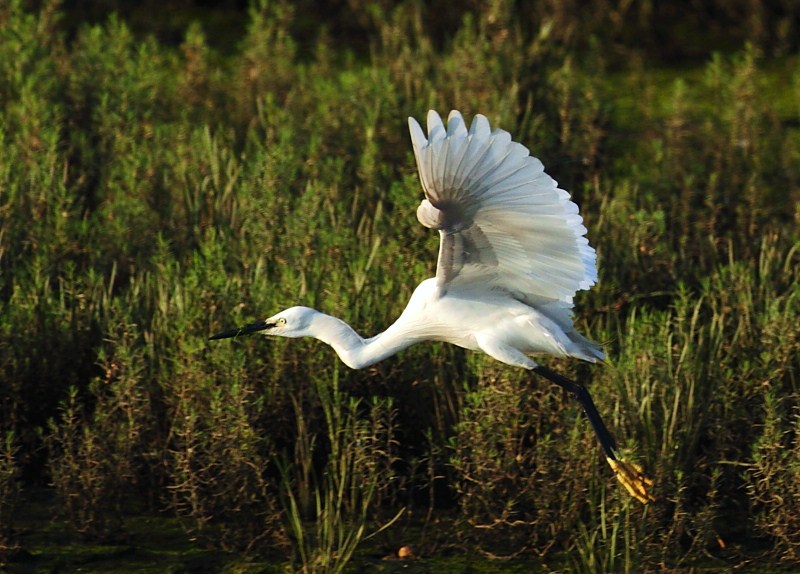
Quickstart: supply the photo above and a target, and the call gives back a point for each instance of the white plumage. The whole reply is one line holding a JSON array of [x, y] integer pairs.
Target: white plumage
[[512, 255], [503, 221]]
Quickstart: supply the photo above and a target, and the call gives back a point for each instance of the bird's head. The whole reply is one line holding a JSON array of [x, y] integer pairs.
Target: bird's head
[[293, 322]]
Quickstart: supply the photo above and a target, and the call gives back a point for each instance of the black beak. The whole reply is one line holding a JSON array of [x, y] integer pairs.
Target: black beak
[[246, 330]]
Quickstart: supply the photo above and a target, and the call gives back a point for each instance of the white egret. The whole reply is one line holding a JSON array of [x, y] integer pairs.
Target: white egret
[[513, 253]]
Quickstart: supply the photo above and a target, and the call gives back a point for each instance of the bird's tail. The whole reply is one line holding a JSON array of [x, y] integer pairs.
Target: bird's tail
[[587, 350]]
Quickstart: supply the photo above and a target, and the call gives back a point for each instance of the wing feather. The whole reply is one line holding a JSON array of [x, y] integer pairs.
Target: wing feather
[[504, 223]]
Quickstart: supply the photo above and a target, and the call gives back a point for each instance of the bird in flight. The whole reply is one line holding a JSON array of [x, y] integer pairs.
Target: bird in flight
[[512, 255]]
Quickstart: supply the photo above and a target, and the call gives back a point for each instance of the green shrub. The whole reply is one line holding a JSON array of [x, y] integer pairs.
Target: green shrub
[[10, 490]]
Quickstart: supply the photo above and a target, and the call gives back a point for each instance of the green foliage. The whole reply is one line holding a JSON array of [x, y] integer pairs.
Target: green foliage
[[10, 488], [520, 490], [774, 476], [215, 465], [329, 513], [152, 194], [85, 473]]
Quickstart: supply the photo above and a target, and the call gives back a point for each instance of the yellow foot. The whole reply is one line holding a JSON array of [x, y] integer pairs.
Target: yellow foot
[[633, 478]]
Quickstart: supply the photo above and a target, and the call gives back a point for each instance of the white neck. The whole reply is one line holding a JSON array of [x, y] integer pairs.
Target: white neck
[[355, 351]]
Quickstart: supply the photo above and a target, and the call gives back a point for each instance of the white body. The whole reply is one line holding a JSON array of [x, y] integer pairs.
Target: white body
[[512, 255], [507, 330]]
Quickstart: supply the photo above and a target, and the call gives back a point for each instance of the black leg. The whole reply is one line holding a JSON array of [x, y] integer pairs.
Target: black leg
[[630, 474], [580, 393]]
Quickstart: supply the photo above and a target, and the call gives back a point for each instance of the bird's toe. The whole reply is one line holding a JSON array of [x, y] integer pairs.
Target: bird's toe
[[633, 478]]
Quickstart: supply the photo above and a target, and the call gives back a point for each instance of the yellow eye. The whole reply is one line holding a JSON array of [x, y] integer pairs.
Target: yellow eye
[[281, 322]]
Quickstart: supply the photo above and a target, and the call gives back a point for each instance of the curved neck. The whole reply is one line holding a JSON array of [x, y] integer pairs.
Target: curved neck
[[355, 351]]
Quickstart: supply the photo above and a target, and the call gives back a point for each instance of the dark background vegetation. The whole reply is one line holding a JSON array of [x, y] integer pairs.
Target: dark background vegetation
[[169, 169]]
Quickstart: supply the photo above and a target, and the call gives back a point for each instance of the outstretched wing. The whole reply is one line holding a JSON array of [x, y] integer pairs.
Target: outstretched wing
[[504, 223]]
